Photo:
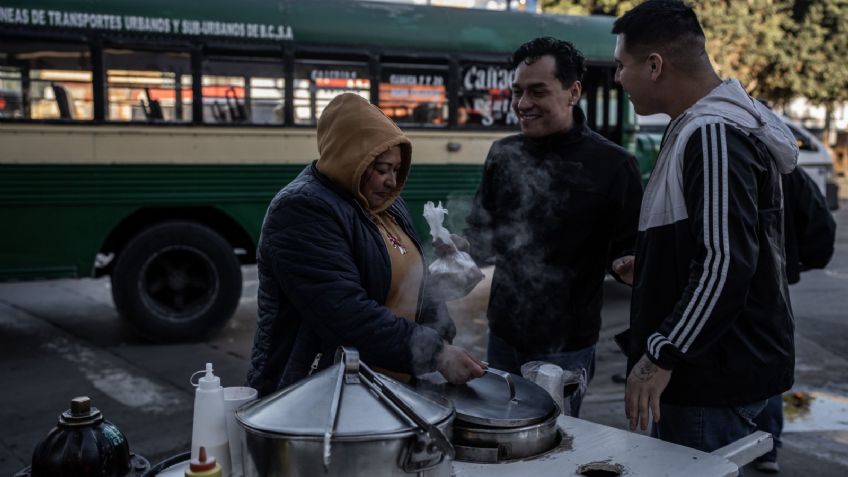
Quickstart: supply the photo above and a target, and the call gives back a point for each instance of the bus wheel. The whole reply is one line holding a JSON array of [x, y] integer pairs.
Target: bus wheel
[[177, 281]]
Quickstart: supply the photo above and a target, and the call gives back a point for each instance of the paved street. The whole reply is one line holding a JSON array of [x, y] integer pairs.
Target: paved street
[[60, 339]]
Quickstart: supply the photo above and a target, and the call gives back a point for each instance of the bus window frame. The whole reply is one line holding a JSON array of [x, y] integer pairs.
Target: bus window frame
[[301, 57], [278, 52], [133, 44], [464, 60], [606, 73], [64, 38], [443, 67], [299, 52], [276, 55]]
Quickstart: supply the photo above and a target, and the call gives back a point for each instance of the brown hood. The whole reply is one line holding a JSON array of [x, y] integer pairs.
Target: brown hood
[[351, 133]]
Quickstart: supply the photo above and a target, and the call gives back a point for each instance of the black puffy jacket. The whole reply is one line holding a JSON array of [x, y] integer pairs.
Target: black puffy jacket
[[324, 274]]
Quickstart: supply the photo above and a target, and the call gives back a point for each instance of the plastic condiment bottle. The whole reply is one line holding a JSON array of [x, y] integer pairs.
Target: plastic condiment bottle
[[209, 427], [203, 466]]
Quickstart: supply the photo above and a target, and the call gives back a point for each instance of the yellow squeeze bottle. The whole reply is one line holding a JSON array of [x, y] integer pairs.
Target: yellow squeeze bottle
[[203, 466]]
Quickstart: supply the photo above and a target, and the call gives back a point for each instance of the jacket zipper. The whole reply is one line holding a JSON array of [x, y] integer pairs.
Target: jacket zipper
[[314, 365]]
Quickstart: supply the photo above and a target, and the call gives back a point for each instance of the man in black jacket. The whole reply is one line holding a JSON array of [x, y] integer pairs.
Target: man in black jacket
[[557, 204], [711, 326]]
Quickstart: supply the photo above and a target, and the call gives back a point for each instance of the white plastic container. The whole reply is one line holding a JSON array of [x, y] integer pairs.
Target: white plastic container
[[234, 398], [209, 426], [550, 379]]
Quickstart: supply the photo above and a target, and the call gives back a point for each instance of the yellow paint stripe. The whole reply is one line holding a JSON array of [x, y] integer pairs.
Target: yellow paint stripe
[[86, 144]]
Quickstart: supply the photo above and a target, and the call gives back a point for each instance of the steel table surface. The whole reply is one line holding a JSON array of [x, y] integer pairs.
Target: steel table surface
[[588, 442]]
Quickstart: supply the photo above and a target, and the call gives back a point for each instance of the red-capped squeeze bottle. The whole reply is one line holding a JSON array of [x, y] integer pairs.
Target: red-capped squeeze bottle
[[209, 426], [203, 466]]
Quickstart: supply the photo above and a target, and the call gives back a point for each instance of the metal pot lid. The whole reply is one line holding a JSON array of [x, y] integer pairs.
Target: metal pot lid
[[497, 399], [305, 408]]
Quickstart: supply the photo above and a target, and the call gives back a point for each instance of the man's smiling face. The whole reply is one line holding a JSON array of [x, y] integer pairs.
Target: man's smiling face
[[541, 102]]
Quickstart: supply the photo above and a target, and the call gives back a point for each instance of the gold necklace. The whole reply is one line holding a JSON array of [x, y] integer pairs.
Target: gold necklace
[[393, 239]]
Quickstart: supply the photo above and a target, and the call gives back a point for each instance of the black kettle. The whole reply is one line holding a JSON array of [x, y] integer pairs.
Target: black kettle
[[84, 444]]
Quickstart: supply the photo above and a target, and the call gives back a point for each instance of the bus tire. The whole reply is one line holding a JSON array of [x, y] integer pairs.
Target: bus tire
[[177, 281]]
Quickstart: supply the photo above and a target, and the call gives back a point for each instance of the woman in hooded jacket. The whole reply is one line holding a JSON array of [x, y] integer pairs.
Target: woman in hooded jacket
[[340, 265]]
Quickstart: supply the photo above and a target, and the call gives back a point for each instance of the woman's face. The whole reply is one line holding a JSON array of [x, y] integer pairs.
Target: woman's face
[[379, 180]]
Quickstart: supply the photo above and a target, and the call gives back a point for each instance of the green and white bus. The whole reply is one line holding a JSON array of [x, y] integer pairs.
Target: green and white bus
[[144, 139]]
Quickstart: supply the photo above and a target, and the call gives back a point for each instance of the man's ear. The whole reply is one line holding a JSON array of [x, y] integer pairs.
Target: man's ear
[[655, 62], [576, 89]]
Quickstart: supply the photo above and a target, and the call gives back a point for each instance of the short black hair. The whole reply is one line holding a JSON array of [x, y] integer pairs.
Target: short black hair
[[668, 25], [569, 60]]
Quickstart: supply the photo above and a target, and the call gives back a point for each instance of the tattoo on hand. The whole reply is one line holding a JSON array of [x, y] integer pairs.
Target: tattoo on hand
[[645, 371]]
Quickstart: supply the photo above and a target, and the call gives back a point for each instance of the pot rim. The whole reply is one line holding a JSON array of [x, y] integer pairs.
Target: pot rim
[[461, 425], [342, 437]]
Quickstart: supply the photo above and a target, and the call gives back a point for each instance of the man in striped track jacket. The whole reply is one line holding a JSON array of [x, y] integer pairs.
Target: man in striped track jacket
[[711, 328]]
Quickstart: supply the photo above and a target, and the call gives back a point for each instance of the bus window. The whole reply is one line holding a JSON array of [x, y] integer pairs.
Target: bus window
[[599, 109], [601, 101], [613, 108], [243, 90], [45, 81], [148, 86], [317, 82], [414, 95], [584, 104], [485, 94]]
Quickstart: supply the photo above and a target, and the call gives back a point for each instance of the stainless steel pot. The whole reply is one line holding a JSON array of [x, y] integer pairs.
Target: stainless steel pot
[[500, 444], [499, 417], [347, 421]]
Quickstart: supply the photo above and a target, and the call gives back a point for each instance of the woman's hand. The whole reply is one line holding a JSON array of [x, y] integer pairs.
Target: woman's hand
[[457, 365]]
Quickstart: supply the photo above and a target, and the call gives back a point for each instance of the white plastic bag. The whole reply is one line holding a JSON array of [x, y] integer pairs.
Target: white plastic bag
[[454, 275]]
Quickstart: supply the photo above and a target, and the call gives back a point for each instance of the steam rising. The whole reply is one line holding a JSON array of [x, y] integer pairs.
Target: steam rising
[[532, 281]]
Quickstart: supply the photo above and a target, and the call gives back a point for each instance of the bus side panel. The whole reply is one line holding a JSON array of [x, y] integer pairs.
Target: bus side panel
[[57, 217], [52, 240], [52, 227]]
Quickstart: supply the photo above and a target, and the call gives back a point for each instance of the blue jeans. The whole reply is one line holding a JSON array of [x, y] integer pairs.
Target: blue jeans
[[706, 428], [771, 420], [502, 355]]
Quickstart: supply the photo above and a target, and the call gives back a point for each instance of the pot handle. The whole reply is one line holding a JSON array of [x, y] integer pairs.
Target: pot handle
[[348, 373], [507, 377], [430, 446]]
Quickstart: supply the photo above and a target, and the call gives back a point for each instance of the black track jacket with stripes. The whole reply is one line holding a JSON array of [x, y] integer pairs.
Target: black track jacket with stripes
[[710, 299]]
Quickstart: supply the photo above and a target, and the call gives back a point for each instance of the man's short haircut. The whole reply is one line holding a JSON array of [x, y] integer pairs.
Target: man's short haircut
[[569, 61], [668, 26]]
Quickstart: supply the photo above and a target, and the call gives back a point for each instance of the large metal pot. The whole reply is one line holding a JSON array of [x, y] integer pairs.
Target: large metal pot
[[501, 444], [347, 421], [499, 417]]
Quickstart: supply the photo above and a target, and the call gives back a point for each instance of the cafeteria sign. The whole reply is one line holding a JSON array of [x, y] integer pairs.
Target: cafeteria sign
[[135, 23]]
